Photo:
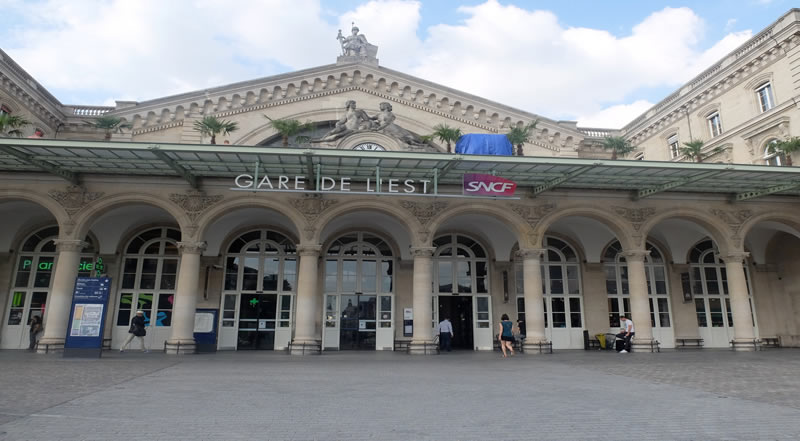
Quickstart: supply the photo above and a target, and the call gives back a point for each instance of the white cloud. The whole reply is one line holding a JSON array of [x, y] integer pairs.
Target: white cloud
[[528, 59], [615, 117], [730, 24]]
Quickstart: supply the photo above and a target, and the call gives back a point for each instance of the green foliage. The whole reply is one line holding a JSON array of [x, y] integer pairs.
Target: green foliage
[[211, 126], [109, 124], [446, 134], [290, 127], [618, 145], [520, 135], [786, 147], [693, 150], [10, 125]]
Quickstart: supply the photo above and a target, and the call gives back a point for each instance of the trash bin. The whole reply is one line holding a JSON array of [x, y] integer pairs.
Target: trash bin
[[601, 338], [610, 338]]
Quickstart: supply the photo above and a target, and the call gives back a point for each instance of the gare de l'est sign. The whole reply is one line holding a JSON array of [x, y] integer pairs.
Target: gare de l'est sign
[[474, 184]]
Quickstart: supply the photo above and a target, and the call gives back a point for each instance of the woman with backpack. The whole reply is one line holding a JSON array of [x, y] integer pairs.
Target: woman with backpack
[[136, 330]]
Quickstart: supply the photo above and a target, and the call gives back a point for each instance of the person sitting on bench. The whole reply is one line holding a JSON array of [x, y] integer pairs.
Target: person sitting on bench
[[626, 333]]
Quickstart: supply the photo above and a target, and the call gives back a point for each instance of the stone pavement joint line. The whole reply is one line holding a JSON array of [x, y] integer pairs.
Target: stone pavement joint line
[[702, 395]]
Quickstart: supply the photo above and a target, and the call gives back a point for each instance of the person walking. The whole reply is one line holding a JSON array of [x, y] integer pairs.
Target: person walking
[[445, 330], [627, 333], [136, 330], [506, 335], [36, 327]]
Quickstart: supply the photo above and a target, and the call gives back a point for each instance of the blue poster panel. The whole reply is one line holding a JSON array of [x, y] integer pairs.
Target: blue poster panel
[[88, 314]]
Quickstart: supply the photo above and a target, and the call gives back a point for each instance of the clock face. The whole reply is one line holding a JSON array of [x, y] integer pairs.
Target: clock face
[[369, 146]]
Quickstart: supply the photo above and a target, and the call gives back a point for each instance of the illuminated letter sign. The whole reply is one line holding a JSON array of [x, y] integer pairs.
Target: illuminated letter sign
[[488, 185]]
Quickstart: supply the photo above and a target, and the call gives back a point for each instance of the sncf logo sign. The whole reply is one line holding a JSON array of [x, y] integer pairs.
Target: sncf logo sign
[[488, 185]]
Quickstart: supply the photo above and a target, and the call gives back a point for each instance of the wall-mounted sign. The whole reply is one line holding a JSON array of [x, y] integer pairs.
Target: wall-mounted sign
[[84, 265], [330, 184], [488, 185]]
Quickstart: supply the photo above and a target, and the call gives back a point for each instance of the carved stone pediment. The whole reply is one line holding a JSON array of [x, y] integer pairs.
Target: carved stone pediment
[[75, 198], [312, 205], [533, 213], [424, 211], [194, 202], [636, 216]]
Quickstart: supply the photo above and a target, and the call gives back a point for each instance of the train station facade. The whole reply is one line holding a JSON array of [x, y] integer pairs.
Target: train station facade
[[362, 237]]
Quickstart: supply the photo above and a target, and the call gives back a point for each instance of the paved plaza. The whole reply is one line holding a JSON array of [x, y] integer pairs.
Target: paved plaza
[[569, 395]]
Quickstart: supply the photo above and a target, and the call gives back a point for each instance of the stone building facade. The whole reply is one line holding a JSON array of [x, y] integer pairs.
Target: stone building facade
[[347, 269]]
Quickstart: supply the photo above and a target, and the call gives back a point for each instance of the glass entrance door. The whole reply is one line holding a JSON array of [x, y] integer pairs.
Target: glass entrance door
[[357, 322], [459, 310], [257, 313]]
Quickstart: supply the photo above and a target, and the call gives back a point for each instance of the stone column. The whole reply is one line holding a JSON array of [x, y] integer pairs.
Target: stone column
[[181, 341], [305, 333], [743, 336], [640, 300], [58, 307], [422, 298], [534, 306]]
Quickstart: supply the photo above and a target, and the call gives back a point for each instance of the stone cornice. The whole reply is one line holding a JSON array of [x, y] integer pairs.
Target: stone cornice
[[766, 47], [530, 253], [69, 245], [422, 251]]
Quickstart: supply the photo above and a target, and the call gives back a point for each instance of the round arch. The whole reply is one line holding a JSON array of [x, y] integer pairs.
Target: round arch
[[46, 202], [789, 219], [84, 219], [621, 230], [213, 214], [405, 218], [515, 224], [718, 231]]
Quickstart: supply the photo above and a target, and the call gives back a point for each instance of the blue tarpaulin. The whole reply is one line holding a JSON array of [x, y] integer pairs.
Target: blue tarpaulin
[[479, 144]]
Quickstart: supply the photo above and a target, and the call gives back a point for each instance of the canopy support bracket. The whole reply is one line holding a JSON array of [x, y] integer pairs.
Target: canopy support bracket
[[177, 168], [559, 180], [766, 191], [674, 184], [46, 166]]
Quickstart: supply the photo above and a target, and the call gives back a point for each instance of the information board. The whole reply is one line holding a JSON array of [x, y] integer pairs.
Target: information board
[[87, 317]]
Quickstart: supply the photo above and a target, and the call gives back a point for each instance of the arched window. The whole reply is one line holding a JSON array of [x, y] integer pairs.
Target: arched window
[[359, 283], [32, 280], [149, 275], [461, 265], [561, 286], [618, 291], [260, 282], [772, 156], [709, 284]]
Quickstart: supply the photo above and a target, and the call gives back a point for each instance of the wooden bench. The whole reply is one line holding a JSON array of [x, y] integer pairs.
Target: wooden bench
[[770, 342], [688, 343]]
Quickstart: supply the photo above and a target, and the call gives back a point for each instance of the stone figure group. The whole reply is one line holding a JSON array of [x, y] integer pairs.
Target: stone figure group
[[356, 120]]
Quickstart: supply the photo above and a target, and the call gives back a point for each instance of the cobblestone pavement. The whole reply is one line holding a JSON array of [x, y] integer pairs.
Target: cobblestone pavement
[[597, 395]]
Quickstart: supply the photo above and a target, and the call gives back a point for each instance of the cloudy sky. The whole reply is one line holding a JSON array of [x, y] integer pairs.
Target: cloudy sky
[[599, 62]]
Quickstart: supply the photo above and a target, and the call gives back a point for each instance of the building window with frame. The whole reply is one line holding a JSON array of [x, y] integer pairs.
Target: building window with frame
[[765, 98], [674, 146], [773, 157], [714, 124]]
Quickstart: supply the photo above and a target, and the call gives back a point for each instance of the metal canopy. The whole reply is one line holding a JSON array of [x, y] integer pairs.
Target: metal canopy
[[190, 162]]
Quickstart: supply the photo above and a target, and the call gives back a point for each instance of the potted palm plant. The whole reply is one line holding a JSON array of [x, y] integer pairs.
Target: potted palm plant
[[446, 134], [211, 126], [618, 145], [109, 124], [786, 147], [10, 125], [520, 135], [290, 127]]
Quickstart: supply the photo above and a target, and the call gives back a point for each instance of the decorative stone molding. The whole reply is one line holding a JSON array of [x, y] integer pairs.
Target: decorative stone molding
[[635, 255], [311, 206], [309, 250], [75, 198], [735, 256], [734, 218], [530, 253], [422, 251], [194, 202], [424, 211], [70, 245], [636, 216], [533, 214], [192, 247]]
